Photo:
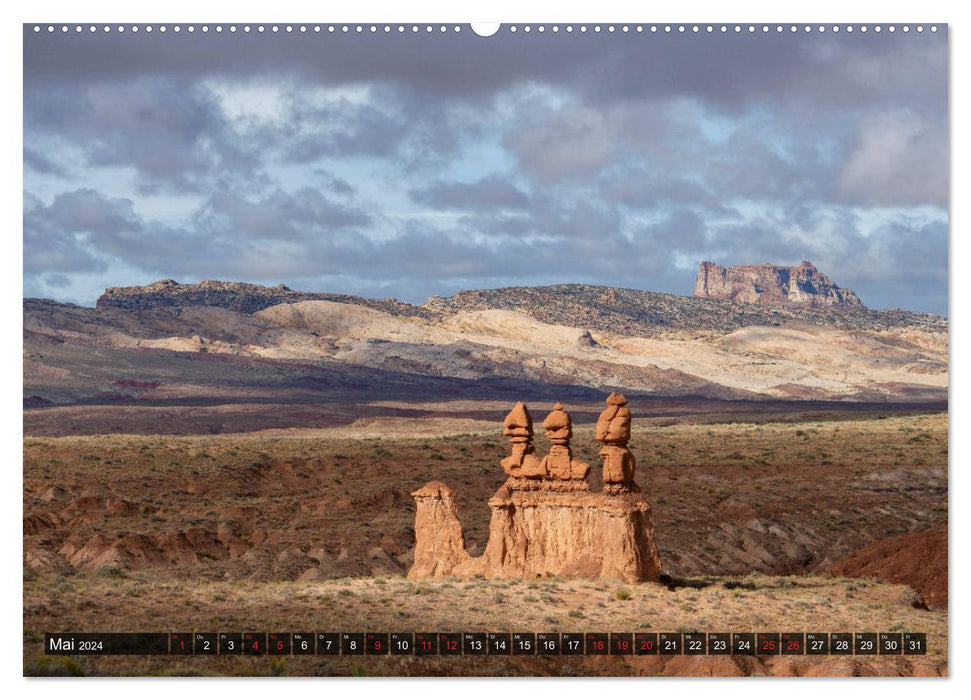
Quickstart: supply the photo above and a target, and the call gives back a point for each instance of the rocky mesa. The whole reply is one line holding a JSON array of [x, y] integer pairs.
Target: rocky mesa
[[800, 286], [242, 297]]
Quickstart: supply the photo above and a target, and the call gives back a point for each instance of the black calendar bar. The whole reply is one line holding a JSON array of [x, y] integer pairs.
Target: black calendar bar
[[107, 643], [484, 643]]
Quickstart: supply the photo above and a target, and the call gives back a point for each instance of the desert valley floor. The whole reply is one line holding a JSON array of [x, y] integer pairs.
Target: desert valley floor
[[831, 519]]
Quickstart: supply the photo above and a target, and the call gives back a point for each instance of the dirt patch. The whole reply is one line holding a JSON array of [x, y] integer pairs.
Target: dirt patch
[[918, 560]]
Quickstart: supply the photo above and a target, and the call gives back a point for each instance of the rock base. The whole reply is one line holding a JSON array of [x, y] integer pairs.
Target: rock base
[[539, 533], [515, 483], [622, 488]]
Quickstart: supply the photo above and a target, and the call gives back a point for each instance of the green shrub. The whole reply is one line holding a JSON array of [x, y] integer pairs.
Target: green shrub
[[112, 571]]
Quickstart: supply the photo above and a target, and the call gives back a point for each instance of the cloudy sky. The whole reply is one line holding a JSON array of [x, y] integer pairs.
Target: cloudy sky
[[419, 164]]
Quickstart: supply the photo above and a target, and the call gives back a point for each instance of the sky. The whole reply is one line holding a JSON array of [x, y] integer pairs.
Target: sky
[[414, 164]]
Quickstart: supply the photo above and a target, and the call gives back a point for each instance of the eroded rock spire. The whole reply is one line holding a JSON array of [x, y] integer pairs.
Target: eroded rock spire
[[613, 430], [559, 463], [523, 462]]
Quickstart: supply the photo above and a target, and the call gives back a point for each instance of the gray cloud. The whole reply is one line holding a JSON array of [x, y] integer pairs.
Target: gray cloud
[[337, 185], [55, 236], [576, 140], [39, 163], [648, 189], [339, 130], [727, 69], [490, 193], [173, 134], [307, 213], [229, 235], [900, 158], [371, 162]]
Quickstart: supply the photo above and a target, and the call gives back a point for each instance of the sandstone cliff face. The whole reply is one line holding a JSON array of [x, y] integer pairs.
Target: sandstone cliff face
[[589, 535], [539, 534], [802, 286]]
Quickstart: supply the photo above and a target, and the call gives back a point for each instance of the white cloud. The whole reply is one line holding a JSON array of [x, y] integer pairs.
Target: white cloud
[[250, 103]]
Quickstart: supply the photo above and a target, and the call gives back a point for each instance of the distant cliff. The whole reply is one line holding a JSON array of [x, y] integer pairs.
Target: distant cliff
[[246, 340], [645, 314], [612, 309], [802, 286], [236, 296]]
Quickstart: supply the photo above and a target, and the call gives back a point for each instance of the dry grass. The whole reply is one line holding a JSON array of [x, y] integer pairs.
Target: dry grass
[[92, 602]]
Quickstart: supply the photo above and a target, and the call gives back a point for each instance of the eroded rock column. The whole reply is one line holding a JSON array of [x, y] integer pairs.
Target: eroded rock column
[[439, 541], [613, 430]]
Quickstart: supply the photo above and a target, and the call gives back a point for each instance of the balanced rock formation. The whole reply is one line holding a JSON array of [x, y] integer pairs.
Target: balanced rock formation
[[557, 471], [523, 462], [545, 520], [613, 430], [559, 463], [802, 286]]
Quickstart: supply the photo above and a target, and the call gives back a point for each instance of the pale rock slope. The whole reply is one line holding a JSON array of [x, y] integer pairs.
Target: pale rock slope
[[797, 360], [546, 335]]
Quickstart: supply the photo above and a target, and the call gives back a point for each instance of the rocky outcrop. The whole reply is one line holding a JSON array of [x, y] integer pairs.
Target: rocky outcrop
[[235, 296], [559, 463], [587, 535], [539, 533], [523, 462], [439, 542], [557, 471], [634, 312], [802, 286], [545, 520]]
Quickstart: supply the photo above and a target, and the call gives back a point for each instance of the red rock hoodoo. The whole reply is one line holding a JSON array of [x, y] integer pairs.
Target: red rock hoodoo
[[545, 520]]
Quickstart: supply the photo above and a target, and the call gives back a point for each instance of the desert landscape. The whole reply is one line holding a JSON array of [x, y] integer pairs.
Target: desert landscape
[[224, 456], [521, 328], [229, 357]]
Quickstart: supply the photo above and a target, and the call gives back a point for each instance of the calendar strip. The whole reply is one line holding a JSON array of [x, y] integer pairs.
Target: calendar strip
[[487, 643]]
